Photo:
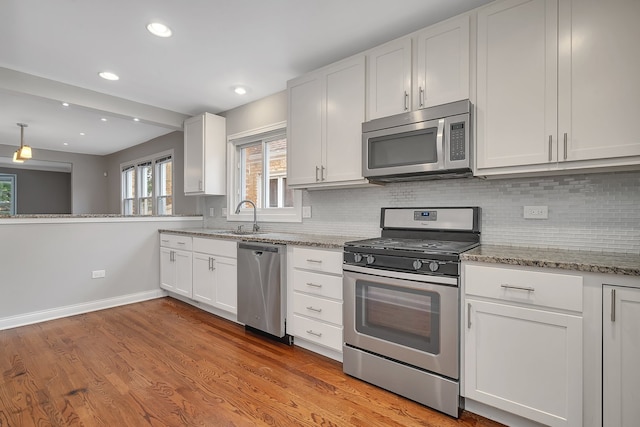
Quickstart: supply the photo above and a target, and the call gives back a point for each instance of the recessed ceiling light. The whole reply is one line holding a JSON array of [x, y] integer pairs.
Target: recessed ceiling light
[[65, 104], [158, 29], [107, 75], [103, 119], [65, 143], [240, 90], [81, 133], [135, 119]]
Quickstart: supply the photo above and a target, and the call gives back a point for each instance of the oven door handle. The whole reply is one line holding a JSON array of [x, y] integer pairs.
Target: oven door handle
[[416, 277]]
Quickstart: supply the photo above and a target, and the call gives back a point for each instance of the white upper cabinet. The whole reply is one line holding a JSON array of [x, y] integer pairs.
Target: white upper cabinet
[[516, 107], [389, 79], [429, 68], [554, 85], [324, 130], [599, 86], [442, 74], [204, 155]]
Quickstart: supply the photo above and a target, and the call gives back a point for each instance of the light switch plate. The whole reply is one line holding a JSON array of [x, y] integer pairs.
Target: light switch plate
[[98, 274], [224, 212], [536, 212], [306, 212], [211, 212]]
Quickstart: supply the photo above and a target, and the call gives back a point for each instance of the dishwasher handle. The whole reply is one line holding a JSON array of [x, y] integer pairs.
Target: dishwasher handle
[[260, 247]]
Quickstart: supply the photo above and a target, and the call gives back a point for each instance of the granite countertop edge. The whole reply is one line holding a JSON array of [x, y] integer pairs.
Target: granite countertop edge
[[272, 237], [587, 261]]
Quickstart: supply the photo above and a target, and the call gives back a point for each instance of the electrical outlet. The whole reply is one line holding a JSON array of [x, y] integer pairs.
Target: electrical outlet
[[306, 212], [224, 212], [536, 212], [98, 274], [211, 211]]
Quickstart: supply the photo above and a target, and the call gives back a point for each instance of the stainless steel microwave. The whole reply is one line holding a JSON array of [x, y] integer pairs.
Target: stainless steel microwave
[[430, 143]]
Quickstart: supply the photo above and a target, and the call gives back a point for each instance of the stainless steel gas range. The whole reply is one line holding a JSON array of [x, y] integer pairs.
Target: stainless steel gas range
[[401, 303]]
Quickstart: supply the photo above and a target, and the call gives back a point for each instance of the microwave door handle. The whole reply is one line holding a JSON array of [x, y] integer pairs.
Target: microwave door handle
[[442, 142]]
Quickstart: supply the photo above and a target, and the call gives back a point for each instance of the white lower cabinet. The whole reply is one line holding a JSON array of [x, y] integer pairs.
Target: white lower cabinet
[[315, 278], [175, 264], [523, 343], [621, 356], [215, 280]]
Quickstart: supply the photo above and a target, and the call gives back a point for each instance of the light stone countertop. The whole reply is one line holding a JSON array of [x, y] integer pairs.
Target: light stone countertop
[[593, 262], [299, 239]]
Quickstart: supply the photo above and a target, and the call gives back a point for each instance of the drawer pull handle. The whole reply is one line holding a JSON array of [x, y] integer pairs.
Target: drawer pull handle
[[181, 243], [519, 288], [317, 310], [317, 334], [313, 285], [468, 315], [318, 261], [165, 241]]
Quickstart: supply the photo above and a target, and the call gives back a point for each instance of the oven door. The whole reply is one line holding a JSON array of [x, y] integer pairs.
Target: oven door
[[412, 148], [412, 321]]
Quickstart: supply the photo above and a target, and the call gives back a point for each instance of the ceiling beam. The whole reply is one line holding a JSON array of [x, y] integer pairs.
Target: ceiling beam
[[22, 83]]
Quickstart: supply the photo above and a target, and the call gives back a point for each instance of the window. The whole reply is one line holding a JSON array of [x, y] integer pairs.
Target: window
[[7, 194], [260, 175], [147, 185]]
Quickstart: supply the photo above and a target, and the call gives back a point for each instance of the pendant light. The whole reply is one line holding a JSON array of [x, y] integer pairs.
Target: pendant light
[[24, 152]]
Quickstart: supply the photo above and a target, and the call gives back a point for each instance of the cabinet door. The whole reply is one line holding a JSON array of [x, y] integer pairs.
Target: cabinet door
[[516, 107], [304, 130], [203, 279], [167, 270], [184, 284], [194, 155], [389, 79], [442, 63], [621, 353], [524, 361], [344, 114], [599, 85], [226, 284]]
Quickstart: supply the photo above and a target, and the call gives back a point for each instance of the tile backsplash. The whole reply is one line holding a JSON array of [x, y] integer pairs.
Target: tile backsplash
[[597, 212]]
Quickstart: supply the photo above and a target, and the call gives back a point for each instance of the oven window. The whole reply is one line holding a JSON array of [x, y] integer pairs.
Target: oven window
[[408, 317], [409, 148]]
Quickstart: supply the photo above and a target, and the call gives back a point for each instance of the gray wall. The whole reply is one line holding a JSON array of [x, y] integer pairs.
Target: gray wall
[[88, 183], [41, 192], [175, 140], [263, 112]]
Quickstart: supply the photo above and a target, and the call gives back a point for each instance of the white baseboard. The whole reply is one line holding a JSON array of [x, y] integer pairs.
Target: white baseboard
[[311, 346], [72, 310]]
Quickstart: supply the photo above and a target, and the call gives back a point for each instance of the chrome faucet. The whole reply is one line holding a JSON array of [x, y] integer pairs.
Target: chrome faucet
[[256, 227]]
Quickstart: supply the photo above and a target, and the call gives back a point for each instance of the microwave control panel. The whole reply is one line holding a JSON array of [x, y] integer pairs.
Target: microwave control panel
[[456, 140]]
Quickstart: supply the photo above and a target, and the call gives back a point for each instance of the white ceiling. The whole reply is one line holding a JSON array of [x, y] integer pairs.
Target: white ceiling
[[216, 45]]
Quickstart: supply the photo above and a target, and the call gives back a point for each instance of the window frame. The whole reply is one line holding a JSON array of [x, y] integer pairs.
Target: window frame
[[234, 180], [152, 161], [12, 179]]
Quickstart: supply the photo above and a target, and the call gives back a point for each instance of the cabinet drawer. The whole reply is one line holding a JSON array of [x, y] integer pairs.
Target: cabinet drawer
[[318, 260], [318, 332], [175, 241], [227, 248], [528, 287], [318, 308], [317, 284]]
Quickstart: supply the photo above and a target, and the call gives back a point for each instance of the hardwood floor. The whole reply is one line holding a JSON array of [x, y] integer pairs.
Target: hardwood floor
[[165, 363]]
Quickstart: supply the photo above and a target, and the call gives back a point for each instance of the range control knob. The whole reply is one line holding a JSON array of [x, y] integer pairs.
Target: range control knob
[[370, 259], [433, 266], [417, 264], [357, 257]]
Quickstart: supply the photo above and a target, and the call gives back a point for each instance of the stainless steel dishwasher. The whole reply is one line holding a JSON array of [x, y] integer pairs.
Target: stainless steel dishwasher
[[262, 288]]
